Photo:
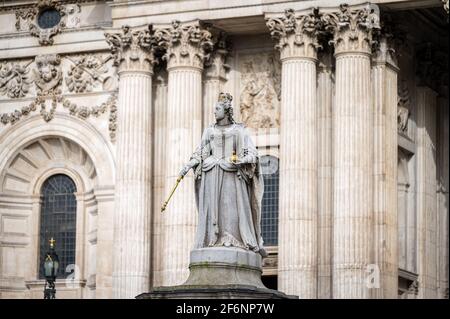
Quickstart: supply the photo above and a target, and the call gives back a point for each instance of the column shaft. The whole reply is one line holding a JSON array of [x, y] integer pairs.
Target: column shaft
[[353, 171], [184, 113], [159, 177], [443, 198], [325, 177], [298, 176], [426, 192], [211, 89], [133, 186], [105, 247]]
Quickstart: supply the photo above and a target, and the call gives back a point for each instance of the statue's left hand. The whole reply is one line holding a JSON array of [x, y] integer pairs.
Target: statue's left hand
[[242, 160]]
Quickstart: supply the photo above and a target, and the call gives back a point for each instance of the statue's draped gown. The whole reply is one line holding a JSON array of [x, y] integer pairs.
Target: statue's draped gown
[[228, 196]]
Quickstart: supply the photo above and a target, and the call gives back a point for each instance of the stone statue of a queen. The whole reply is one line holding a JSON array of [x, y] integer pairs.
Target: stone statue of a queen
[[228, 184]]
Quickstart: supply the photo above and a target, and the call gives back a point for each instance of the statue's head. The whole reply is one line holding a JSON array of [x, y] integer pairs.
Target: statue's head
[[224, 108]]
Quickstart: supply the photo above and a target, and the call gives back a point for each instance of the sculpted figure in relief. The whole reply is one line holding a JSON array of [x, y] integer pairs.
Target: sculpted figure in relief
[[48, 74], [261, 89]]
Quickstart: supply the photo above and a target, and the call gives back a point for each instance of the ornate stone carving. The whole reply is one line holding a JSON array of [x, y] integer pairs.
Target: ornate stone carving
[[215, 66], [260, 90], [113, 119], [403, 107], [14, 80], [82, 112], [85, 72], [388, 41], [184, 44], [26, 19], [46, 35], [48, 75], [133, 50], [352, 29], [296, 33]]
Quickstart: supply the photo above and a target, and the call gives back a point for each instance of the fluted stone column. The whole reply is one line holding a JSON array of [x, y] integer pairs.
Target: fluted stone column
[[426, 191], [131, 266], [214, 79], [384, 81], [352, 151], [185, 51], [325, 88], [297, 248], [105, 237], [159, 173], [443, 198]]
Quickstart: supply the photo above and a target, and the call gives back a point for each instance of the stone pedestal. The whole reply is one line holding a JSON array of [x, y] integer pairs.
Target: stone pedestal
[[220, 273]]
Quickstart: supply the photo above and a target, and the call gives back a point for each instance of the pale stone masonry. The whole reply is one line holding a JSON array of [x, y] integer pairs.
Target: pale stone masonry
[[350, 97]]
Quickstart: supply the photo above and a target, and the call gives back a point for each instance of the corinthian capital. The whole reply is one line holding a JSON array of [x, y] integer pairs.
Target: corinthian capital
[[185, 45], [388, 41], [133, 50], [352, 28], [216, 66], [296, 33]]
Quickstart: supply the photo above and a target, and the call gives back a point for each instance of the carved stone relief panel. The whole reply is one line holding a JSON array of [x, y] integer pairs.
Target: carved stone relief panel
[[260, 89], [15, 79], [50, 81], [87, 72]]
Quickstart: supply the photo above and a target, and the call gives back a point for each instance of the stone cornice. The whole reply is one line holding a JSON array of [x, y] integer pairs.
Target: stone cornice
[[296, 33], [133, 49], [185, 44], [26, 4]]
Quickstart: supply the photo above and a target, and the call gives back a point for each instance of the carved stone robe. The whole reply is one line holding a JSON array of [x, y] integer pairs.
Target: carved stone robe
[[228, 196]]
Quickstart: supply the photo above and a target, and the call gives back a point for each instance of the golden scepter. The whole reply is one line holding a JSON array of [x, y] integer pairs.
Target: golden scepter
[[163, 208]]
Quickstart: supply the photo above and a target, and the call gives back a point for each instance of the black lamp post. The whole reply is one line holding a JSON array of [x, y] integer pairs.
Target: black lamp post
[[51, 265]]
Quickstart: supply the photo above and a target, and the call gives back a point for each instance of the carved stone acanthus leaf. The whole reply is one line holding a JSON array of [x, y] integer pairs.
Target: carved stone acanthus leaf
[[186, 45], [14, 80], [260, 90], [297, 34], [85, 72], [133, 50], [389, 40], [48, 75], [216, 66], [403, 106], [352, 30]]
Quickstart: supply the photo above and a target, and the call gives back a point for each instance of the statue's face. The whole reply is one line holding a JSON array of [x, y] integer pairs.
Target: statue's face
[[219, 112]]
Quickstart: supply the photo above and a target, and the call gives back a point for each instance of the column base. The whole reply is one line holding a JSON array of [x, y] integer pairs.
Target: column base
[[220, 272]]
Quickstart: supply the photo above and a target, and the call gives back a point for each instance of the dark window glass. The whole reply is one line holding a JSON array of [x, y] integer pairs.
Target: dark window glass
[[58, 220], [269, 220], [49, 18]]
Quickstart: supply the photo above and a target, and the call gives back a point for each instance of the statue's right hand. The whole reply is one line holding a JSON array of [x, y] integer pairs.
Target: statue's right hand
[[184, 170]]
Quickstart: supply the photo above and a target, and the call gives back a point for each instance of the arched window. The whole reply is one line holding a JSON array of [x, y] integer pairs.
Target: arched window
[[269, 220], [58, 220]]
